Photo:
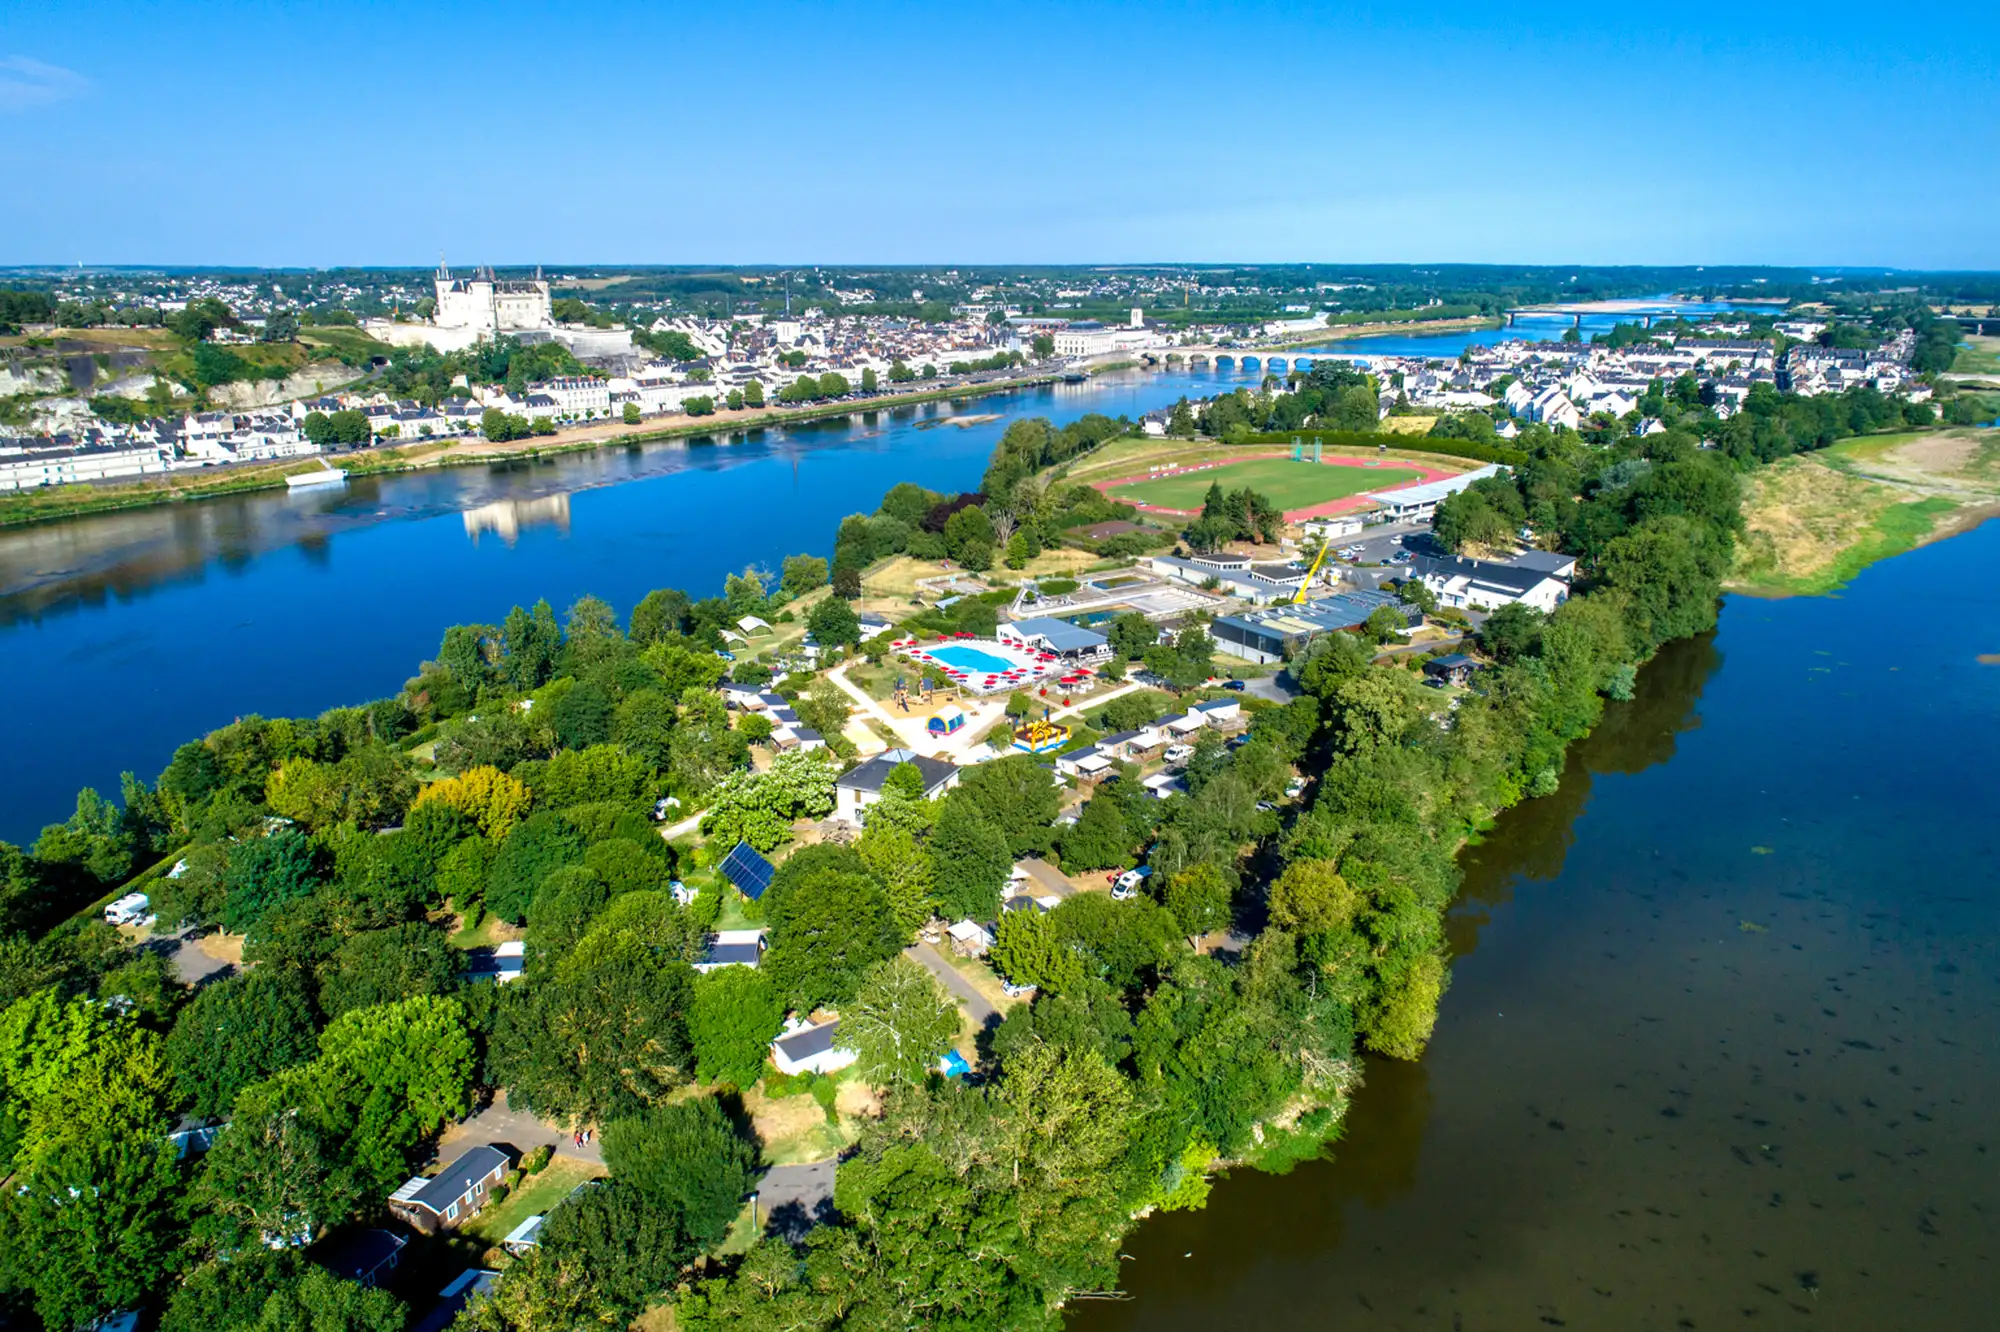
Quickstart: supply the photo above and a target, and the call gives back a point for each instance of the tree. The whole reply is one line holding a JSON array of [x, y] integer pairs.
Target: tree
[[266, 873], [1512, 632], [735, 1017], [830, 922], [759, 809], [833, 623], [1099, 839], [753, 394], [91, 1225], [660, 612], [847, 582], [276, 1171], [869, 380], [604, 1035], [489, 797], [972, 858], [322, 1302], [236, 1032], [1043, 346], [382, 966], [631, 413], [898, 1024], [1384, 624], [686, 1158], [399, 1072], [1180, 422], [801, 574], [901, 863], [229, 1296], [1131, 634], [1311, 897], [562, 911], [1198, 896], [1017, 797], [535, 848]]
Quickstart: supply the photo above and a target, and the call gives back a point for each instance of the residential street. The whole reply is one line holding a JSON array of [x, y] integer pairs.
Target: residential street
[[983, 1013]]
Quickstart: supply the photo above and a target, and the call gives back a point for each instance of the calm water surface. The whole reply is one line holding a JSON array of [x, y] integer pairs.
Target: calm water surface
[[1720, 1046], [124, 635]]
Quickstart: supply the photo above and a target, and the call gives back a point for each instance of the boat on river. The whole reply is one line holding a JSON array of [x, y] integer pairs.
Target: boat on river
[[327, 475]]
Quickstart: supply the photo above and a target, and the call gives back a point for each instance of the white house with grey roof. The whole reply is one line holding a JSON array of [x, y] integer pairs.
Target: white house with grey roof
[[1489, 585], [805, 1048], [1045, 633], [861, 786]]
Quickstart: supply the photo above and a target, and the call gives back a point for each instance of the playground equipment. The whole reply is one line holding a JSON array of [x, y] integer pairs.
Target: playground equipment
[[946, 721], [1039, 737]]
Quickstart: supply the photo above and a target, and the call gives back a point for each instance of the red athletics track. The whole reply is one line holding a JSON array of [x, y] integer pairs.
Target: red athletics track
[[1331, 507]]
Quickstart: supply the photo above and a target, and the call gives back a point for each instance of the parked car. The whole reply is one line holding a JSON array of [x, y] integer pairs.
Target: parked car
[[1238, 685], [1179, 753], [1296, 788], [1013, 991], [1129, 883], [1265, 806]]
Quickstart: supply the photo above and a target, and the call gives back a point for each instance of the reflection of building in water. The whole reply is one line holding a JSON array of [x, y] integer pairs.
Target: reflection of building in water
[[509, 516]]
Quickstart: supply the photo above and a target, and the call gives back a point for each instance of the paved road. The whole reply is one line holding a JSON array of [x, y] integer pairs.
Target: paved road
[[792, 1199], [1279, 688], [1047, 879], [499, 1122], [983, 1013]]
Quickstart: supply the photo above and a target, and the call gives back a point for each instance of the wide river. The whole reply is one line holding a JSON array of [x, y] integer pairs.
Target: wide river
[[124, 635], [1720, 1048]]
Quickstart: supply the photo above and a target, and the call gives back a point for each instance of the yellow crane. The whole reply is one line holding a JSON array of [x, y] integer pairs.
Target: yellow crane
[[1324, 546]]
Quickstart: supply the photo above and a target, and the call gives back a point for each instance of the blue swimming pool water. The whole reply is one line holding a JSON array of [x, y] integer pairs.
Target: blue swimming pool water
[[971, 660]]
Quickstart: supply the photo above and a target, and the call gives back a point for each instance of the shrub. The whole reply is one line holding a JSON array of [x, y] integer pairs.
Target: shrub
[[534, 1162]]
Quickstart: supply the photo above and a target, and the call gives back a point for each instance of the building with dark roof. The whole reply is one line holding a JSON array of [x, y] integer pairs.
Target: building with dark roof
[[809, 1049], [449, 1197], [361, 1256], [1274, 633], [861, 785]]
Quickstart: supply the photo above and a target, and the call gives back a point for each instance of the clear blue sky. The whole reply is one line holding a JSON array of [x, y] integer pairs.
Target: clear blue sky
[[1775, 132]]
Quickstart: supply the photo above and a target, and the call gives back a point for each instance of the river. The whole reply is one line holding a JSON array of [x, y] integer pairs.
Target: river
[[121, 636], [1719, 1048]]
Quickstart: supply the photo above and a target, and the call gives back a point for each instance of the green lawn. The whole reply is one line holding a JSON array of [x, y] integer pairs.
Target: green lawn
[[1292, 485], [1979, 356], [537, 1194]]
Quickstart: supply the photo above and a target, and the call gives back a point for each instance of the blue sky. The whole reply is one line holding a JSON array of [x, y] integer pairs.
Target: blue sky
[[363, 133]]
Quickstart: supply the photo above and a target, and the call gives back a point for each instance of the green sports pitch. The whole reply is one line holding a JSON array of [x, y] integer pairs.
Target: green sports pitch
[[1290, 485]]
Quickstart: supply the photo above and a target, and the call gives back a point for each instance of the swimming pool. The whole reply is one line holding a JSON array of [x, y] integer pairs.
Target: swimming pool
[[971, 660]]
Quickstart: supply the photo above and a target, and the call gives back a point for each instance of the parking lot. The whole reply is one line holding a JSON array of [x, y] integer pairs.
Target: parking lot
[[1377, 544]]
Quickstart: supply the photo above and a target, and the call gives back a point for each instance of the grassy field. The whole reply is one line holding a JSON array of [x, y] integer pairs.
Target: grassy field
[[1979, 356], [537, 1194], [1815, 520], [1292, 485]]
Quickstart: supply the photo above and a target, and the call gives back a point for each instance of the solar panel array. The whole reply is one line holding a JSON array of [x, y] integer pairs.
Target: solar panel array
[[750, 872]]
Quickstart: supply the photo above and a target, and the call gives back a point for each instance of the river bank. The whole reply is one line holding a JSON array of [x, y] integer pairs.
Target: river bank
[[388, 459], [1815, 520], [1718, 1043]]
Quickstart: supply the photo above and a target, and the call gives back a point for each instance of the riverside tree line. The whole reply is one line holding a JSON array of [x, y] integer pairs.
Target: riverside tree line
[[513, 777]]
